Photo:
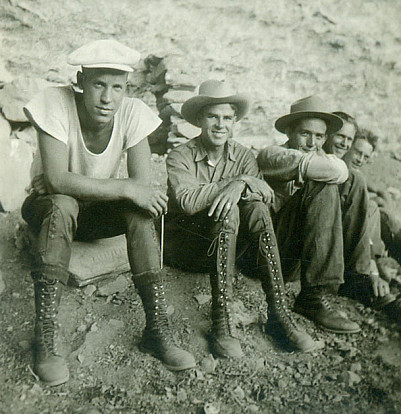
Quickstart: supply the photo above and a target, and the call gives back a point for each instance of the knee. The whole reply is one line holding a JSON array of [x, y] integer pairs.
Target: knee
[[257, 217], [231, 223], [136, 220], [66, 205]]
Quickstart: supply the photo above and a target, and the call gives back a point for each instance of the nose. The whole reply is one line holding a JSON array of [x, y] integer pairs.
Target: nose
[[311, 142], [106, 95], [219, 122]]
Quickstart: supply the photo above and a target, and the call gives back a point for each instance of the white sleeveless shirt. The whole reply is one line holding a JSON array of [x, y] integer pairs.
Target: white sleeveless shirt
[[54, 111]]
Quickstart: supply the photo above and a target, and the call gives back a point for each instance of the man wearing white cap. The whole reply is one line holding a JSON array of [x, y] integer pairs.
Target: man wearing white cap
[[77, 194], [307, 209], [216, 196]]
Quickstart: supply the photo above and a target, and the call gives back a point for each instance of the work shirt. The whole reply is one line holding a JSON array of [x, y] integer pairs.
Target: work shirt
[[194, 182], [286, 170]]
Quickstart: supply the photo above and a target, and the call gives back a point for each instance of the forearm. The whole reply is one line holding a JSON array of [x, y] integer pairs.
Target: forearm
[[279, 163], [194, 200], [324, 168], [87, 188]]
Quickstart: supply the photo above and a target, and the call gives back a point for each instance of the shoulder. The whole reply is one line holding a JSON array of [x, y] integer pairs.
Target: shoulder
[[134, 106], [52, 97], [186, 150]]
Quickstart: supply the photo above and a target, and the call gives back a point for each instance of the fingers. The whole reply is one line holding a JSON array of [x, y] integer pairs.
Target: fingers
[[375, 289]]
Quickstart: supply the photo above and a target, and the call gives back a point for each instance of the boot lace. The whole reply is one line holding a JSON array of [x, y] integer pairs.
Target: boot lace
[[48, 316], [222, 316], [276, 285]]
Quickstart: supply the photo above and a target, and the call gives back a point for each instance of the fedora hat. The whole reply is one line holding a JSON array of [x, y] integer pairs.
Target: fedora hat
[[310, 107], [107, 53], [213, 92]]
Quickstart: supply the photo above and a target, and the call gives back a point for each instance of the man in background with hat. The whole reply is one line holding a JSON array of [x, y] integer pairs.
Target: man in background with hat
[[77, 194], [216, 196], [307, 210]]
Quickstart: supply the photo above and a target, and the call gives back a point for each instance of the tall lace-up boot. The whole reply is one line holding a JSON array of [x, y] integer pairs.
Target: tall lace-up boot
[[50, 367], [157, 338], [281, 324], [223, 338]]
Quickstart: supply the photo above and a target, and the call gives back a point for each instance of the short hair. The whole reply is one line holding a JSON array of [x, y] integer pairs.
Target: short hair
[[347, 118], [368, 136]]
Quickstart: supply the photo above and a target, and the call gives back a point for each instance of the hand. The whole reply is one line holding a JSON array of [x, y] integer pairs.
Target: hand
[[380, 286], [229, 197], [152, 200], [260, 187], [38, 184]]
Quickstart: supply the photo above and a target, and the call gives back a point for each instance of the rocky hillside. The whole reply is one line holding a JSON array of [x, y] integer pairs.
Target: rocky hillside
[[346, 51]]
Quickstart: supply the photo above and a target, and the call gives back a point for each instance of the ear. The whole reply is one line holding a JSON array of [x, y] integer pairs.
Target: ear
[[80, 80]]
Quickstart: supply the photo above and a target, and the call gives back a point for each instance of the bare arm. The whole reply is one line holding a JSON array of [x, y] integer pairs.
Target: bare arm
[[59, 180]]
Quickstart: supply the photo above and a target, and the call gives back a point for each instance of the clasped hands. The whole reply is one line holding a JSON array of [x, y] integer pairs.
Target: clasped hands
[[232, 192]]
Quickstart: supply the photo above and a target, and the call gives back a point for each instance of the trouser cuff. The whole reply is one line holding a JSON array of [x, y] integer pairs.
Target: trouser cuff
[[149, 277], [51, 273]]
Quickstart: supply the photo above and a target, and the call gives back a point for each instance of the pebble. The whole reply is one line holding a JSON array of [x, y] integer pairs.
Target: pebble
[[89, 290], [118, 285]]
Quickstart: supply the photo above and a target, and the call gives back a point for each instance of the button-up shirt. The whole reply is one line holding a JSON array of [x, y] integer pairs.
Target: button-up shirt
[[194, 182]]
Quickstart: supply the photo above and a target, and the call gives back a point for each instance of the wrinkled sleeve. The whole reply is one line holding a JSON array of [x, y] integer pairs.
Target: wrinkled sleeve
[[285, 164], [49, 112], [326, 168], [190, 195], [279, 163], [140, 121]]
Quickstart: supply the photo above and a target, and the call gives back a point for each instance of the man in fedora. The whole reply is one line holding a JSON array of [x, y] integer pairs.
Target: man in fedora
[[77, 193], [307, 209], [216, 196]]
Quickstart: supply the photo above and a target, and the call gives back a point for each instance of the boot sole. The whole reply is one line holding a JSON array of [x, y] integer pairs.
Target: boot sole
[[325, 328], [56, 382], [169, 367]]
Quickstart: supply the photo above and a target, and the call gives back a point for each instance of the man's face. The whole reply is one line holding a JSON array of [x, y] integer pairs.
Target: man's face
[[308, 135], [340, 142], [103, 92], [359, 154], [217, 123]]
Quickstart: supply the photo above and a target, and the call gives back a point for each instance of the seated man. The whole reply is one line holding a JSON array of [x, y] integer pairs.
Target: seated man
[[215, 196], [307, 210], [377, 292], [77, 194]]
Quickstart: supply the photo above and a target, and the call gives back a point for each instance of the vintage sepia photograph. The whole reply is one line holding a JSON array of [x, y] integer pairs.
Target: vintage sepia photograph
[[200, 206]]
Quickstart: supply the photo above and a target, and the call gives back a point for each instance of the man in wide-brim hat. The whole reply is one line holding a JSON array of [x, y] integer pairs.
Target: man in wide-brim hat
[[77, 194], [216, 196], [307, 211]]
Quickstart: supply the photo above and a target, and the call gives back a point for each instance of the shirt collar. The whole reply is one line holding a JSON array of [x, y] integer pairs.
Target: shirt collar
[[201, 153]]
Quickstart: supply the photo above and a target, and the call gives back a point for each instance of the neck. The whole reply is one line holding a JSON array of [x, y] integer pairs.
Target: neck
[[214, 153], [87, 123]]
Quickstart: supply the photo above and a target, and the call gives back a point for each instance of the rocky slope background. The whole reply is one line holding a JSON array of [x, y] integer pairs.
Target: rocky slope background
[[348, 52]]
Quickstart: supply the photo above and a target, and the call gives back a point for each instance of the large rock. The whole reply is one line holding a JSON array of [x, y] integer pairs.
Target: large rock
[[97, 260], [16, 94], [16, 158]]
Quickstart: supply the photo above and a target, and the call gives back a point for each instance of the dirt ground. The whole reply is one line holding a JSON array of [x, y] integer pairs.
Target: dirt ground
[[358, 373]]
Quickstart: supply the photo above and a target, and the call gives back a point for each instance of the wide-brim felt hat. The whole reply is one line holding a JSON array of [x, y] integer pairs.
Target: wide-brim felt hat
[[214, 92], [108, 53], [310, 107]]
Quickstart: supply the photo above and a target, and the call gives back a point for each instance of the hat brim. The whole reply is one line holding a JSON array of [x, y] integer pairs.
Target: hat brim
[[116, 66], [333, 122], [192, 106]]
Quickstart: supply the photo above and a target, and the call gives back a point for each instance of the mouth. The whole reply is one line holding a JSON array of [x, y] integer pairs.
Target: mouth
[[104, 110], [340, 149], [219, 133]]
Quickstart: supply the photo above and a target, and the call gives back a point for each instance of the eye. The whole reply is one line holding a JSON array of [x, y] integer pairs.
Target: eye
[[228, 118], [117, 87]]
